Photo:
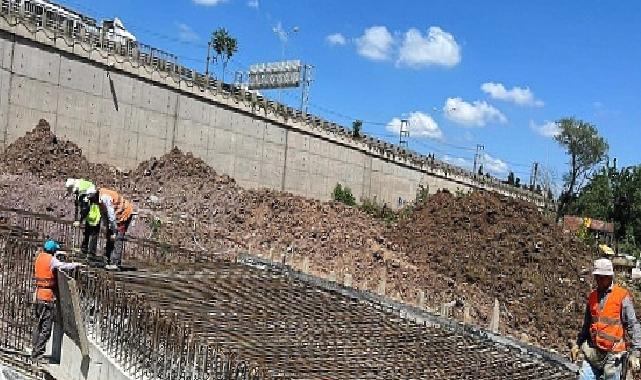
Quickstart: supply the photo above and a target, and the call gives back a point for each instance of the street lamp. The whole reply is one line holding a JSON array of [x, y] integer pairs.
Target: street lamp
[[284, 37]]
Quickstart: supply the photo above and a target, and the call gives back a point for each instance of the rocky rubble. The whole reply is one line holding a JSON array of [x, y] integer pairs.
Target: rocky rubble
[[462, 250], [42, 154], [508, 250]]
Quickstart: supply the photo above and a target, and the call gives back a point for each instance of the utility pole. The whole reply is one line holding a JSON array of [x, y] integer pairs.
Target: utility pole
[[305, 83], [533, 175], [478, 158], [404, 133]]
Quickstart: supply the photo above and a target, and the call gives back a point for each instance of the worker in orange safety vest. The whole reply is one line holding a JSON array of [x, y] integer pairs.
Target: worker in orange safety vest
[[119, 212], [45, 267], [610, 329]]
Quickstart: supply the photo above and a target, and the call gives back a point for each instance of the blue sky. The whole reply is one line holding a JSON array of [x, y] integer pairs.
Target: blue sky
[[495, 73]]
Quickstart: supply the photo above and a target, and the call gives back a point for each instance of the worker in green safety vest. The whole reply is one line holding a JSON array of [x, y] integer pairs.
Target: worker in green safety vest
[[85, 211]]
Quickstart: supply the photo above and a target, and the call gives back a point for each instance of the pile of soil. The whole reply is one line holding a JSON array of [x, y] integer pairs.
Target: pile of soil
[[511, 252]]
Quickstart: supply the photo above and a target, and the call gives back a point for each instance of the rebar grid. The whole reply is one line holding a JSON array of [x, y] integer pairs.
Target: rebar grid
[[300, 331]]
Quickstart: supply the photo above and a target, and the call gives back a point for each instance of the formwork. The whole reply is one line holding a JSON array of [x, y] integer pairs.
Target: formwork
[[200, 317]]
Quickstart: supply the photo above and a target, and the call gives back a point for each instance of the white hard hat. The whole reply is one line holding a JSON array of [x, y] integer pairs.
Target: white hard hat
[[603, 267], [71, 182]]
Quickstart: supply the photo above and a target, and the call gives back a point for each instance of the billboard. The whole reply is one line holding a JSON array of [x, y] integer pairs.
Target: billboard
[[273, 75]]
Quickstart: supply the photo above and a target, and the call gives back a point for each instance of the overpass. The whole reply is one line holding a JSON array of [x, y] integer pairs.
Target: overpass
[[124, 102]]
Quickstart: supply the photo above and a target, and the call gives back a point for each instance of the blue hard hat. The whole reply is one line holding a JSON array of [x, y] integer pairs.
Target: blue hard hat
[[51, 246]]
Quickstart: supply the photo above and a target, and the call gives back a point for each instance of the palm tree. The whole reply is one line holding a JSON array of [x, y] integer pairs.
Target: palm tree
[[225, 47]]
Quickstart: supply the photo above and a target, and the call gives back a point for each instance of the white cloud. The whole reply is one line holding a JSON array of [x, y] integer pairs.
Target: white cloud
[[336, 39], [186, 34], [458, 161], [376, 43], [517, 95], [494, 165], [253, 4], [476, 114], [209, 3], [548, 129], [421, 125], [437, 47]]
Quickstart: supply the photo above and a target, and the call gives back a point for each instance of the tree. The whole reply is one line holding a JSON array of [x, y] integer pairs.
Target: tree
[[357, 127], [585, 149], [615, 196], [225, 47]]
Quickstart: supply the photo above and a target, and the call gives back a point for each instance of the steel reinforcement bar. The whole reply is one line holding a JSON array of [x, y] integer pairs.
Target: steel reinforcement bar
[[144, 340], [136, 250]]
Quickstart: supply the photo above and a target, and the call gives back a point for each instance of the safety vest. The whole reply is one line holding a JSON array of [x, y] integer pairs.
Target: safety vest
[[93, 217], [606, 329], [44, 277], [122, 207]]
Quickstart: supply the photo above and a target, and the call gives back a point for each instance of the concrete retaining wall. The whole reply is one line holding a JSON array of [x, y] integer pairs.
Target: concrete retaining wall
[[122, 114]]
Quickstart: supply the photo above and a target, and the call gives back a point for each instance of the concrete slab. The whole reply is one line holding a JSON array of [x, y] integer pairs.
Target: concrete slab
[[34, 94], [81, 76], [34, 62], [6, 51], [5, 79]]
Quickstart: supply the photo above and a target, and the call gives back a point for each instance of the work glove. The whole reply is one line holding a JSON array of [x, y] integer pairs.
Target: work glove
[[76, 223], [633, 360], [574, 353]]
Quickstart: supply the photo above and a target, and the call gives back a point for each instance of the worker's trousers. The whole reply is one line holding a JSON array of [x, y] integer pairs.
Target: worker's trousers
[[90, 239], [114, 249], [611, 369], [42, 329]]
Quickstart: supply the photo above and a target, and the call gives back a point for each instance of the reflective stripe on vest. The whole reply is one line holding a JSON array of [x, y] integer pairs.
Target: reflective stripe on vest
[[44, 277], [122, 207], [93, 217], [606, 330]]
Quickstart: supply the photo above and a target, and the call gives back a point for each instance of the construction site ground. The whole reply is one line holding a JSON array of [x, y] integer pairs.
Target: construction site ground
[[461, 250]]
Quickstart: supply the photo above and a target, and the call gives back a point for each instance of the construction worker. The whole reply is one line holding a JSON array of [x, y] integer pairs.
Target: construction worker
[[45, 267], [85, 211], [119, 212], [609, 318]]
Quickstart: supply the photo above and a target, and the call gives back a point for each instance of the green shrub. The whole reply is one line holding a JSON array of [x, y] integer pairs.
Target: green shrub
[[375, 209], [343, 195]]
